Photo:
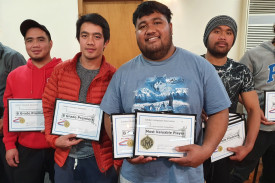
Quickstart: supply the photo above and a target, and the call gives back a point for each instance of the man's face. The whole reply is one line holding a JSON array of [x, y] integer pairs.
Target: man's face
[[91, 41], [154, 36], [37, 44], [220, 41]]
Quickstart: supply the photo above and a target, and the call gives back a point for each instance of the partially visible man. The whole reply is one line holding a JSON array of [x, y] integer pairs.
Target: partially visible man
[[28, 152], [84, 78], [260, 61], [219, 37], [167, 78], [9, 60]]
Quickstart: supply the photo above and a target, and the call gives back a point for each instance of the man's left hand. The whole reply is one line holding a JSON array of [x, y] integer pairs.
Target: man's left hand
[[240, 152], [195, 156]]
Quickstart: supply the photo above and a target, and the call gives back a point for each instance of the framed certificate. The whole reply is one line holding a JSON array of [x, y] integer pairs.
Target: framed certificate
[[123, 126], [157, 134], [81, 119], [270, 105], [234, 136], [25, 115]]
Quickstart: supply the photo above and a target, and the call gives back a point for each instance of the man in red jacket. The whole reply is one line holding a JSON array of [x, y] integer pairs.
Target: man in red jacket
[[27, 151], [85, 79]]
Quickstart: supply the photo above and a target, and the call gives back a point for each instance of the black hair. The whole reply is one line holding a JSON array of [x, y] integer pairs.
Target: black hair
[[273, 41], [96, 19], [149, 7]]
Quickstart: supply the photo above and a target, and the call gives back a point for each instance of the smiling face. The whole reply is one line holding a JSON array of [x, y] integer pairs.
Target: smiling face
[[220, 41], [91, 42], [38, 45], [154, 37]]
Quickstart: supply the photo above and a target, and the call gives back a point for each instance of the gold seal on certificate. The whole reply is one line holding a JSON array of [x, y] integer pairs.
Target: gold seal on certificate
[[21, 120], [220, 148], [147, 142], [130, 143], [66, 123]]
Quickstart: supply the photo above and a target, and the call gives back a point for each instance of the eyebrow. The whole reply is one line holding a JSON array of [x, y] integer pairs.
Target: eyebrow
[[157, 18], [94, 33], [28, 38]]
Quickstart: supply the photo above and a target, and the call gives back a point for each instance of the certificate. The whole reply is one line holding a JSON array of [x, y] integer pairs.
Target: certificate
[[25, 115], [157, 134], [234, 136], [123, 126], [270, 105], [81, 119]]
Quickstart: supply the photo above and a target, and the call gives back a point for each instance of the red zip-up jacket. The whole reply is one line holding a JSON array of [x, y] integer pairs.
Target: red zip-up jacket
[[65, 84], [26, 82]]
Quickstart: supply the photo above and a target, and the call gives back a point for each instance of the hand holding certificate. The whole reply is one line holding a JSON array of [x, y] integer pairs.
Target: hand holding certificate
[[234, 136], [81, 119], [151, 134]]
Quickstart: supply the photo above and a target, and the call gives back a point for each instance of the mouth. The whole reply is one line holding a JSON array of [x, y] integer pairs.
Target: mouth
[[152, 39], [90, 50], [221, 44], [36, 51]]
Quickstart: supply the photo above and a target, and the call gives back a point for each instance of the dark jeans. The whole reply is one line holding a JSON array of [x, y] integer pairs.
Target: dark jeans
[[86, 171], [5, 169], [218, 171], [33, 164], [264, 147]]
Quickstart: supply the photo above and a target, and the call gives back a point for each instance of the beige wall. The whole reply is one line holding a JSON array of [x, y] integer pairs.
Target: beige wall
[[59, 16]]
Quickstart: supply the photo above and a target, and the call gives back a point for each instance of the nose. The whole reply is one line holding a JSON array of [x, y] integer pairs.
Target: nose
[[150, 29], [222, 35], [35, 43], [90, 40]]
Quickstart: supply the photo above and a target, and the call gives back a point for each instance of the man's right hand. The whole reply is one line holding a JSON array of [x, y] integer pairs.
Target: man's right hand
[[141, 160], [264, 120], [12, 157], [67, 141]]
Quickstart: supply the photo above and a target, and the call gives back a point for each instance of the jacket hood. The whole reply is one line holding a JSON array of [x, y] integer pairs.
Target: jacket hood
[[269, 45], [49, 65]]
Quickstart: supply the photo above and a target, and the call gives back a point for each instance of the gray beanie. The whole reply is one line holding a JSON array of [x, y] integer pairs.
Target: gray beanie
[[217, 21]]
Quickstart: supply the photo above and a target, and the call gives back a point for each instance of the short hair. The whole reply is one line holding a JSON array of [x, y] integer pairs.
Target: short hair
[[96, 19], [273, 41], [149, 7]]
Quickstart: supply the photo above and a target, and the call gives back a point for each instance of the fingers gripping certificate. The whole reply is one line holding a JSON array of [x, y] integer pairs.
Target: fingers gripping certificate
[[77, 118], [158, 134], [25, 115]]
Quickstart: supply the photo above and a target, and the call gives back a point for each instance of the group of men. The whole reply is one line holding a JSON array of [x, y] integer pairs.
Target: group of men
[[89, 78]]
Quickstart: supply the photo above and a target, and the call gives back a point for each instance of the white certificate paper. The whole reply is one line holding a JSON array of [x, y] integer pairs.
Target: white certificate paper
[[270, 105], [234, 136], [158, 134], [25, 115], [81, 119], [123, 126]]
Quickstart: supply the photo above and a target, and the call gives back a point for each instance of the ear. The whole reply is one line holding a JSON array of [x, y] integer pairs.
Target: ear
[[51, 44], [106, 43], [171, 27]]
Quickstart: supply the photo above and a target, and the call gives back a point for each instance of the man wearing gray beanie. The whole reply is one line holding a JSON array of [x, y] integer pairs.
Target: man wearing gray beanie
[[219, 37]]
